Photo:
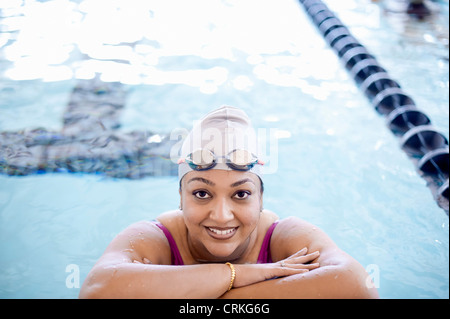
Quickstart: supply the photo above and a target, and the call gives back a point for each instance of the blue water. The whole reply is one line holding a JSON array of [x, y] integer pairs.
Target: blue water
[[336, 163]]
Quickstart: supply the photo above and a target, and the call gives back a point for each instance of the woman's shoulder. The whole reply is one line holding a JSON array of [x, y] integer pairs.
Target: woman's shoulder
[[173, 221], [292, 234], [269, 216], [301, 230], [145, 232], [150, 228], [293, 224], [290, 224]]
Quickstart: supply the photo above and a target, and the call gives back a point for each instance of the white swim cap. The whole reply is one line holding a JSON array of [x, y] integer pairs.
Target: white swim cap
[[221, 132]]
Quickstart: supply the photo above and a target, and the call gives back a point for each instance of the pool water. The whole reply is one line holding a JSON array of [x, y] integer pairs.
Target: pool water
[[333, 162]]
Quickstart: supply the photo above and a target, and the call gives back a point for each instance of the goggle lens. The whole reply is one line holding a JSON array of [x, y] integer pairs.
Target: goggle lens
[[241, 160], [201, 160]]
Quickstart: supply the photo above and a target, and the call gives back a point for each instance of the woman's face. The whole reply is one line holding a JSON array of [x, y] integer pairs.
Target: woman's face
[[221, 210]]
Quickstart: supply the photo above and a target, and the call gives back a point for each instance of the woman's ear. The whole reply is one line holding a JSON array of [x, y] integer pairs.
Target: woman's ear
[[180, 207], [261, 205]]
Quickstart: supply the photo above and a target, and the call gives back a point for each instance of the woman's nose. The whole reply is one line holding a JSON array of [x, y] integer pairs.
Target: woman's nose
[[222, 212]]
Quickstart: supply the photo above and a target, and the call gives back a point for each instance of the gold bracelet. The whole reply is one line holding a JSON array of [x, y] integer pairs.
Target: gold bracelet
[[233, 275]]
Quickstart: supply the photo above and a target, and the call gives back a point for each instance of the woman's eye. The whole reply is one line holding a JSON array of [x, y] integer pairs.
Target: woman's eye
[[242, 195], [202, 194]]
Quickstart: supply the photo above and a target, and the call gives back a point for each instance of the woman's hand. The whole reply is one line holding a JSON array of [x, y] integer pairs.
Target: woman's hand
[[298, 263]]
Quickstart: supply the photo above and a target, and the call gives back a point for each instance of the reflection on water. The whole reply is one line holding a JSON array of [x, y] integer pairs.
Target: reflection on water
[[124, 40], [196, 43], [207, 44]]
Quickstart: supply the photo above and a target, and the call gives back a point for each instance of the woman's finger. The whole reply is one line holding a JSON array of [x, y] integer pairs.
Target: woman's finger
[[306, 258], [301, 259], [299, 253]]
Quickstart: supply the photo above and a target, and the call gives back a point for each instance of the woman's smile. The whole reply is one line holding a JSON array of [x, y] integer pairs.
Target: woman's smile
[[221, 233]]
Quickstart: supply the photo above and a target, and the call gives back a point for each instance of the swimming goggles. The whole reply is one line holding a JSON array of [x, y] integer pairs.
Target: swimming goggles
[[204, 159]]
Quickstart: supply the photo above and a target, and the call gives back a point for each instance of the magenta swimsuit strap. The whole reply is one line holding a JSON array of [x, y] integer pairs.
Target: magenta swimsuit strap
[[176, 256], [263, 258], [264, 254]]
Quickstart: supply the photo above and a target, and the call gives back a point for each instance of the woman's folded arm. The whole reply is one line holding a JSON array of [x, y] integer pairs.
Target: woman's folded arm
[[132, 280], [338, 274], [340, 281]]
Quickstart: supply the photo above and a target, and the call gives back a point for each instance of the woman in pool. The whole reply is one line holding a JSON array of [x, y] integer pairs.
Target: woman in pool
[[221, 242]]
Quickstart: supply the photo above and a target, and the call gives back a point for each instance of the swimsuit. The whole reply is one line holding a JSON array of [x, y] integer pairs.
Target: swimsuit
[[263, 258]]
